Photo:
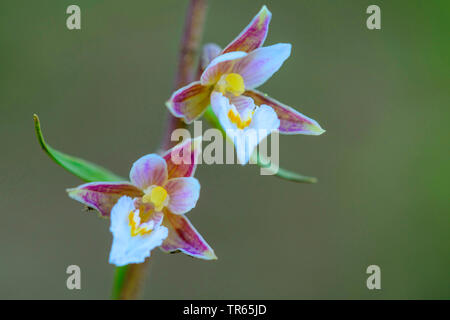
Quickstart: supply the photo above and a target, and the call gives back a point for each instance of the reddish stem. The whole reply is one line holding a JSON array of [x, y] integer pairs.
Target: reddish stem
[[190, 45]]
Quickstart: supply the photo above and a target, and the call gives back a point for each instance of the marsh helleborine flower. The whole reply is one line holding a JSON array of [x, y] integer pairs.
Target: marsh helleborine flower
[[149, 211], [228, 83]]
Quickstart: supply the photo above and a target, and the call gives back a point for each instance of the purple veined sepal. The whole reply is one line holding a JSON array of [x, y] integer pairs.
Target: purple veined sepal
[[291, 121], [183, 158], [185, 238], [189, 102], [102, 196], [254, 35]]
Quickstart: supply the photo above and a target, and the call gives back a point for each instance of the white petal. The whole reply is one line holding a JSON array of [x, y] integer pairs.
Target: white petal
[[243, 104], [265, 118], [264, 121], [125, 248], [221, 105]]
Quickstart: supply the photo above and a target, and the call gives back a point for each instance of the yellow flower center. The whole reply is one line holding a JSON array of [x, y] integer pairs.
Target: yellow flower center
[[232, 82], [235, 118], [156, 195], [137, 229]]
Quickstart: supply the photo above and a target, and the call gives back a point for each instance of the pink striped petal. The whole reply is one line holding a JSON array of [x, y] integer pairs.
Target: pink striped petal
[[189, 102], [149, 170], [102, 196], [221, 65], [183, 237], [259, 65], [291, 121], [183, 193], [253, 36], [183, 158]]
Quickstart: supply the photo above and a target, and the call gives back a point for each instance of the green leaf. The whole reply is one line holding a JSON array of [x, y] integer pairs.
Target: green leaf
[[211, 117], [83, 169]]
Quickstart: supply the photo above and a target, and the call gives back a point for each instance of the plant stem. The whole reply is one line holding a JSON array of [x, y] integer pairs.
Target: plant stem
[[187, 60], [128, 280]]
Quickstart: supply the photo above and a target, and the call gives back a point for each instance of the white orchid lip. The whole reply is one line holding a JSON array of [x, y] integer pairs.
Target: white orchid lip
[[241, 121], [135, 232], [246, 123], [138, 228]]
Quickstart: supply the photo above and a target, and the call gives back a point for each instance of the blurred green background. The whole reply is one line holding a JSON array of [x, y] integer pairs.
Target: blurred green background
[[383, 164]]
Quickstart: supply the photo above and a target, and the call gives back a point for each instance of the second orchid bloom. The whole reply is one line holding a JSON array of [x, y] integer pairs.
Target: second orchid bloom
[[228, 84], [149, 211]]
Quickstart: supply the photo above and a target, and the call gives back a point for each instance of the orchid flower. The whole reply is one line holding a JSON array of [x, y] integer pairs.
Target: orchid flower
[[233, 73], [149, 211]]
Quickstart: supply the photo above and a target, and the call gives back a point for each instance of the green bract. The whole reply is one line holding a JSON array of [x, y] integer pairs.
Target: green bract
[[83, 169]]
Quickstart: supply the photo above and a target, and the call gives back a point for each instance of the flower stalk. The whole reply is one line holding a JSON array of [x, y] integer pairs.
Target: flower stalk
[[187, 60], [129, 279]]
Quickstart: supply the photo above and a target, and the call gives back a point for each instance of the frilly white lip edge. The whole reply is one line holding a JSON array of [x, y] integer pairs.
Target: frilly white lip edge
[[264, 122], [125, 248]]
